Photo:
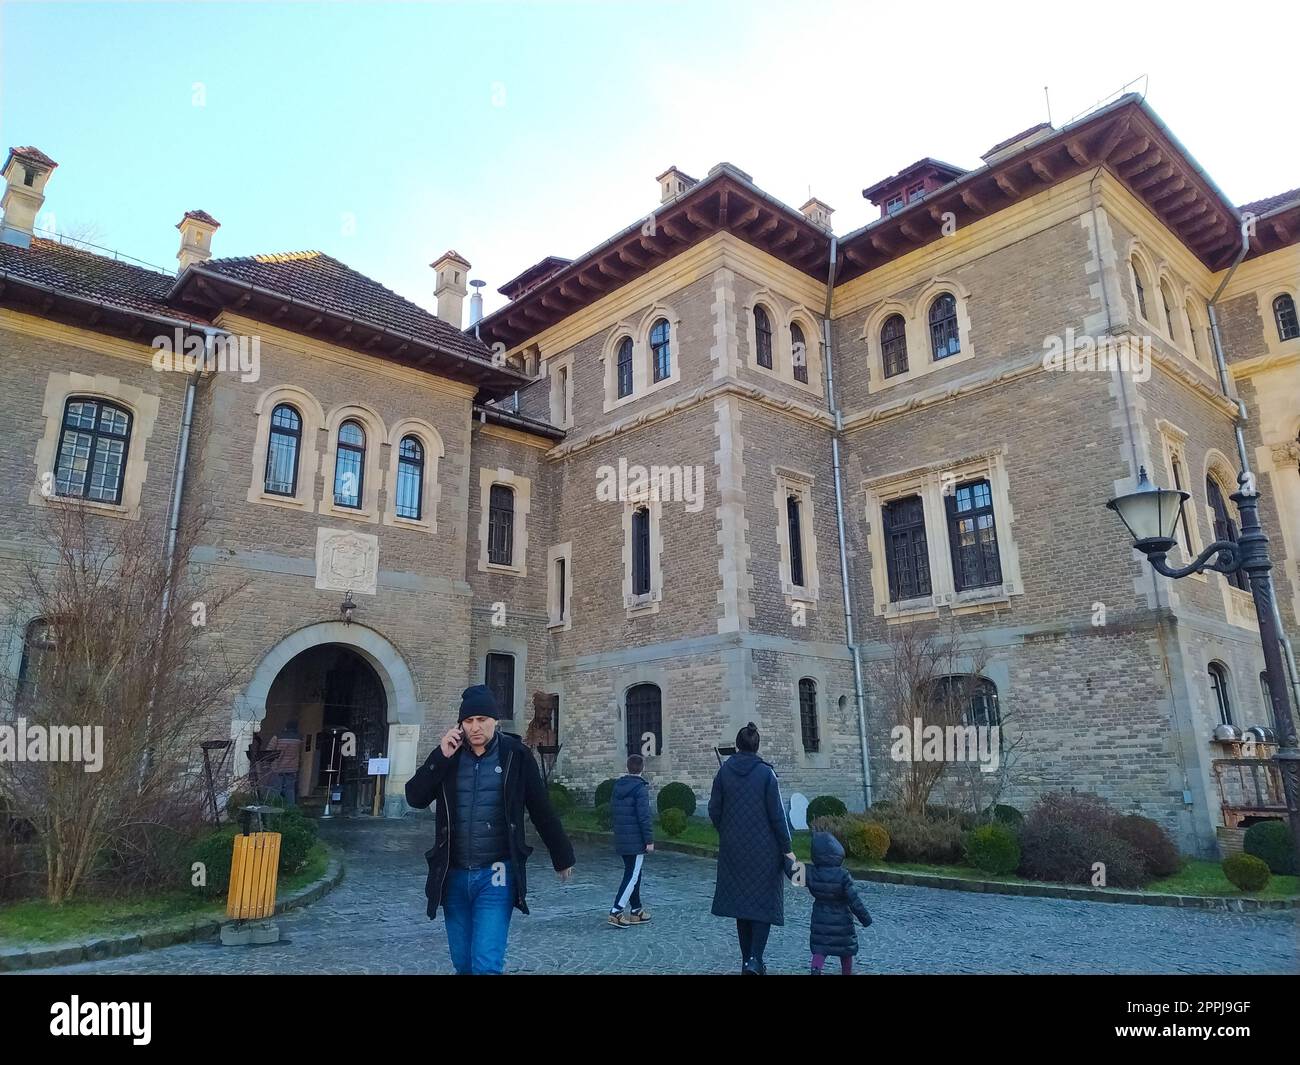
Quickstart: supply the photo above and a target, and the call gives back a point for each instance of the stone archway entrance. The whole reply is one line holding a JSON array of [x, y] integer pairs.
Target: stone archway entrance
[[332, 674]]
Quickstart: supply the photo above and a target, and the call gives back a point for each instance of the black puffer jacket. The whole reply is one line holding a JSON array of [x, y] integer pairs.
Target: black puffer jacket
[[521, 787], [753, 837], [481, 834], [836, 900], [630, 805]]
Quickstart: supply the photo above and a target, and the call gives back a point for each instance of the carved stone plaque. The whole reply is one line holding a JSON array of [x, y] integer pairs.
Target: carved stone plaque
[[347, 560]]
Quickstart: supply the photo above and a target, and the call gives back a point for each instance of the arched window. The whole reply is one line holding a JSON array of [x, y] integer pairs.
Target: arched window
[[282, 451], [763, 337], [798, 353], [410, 478], [641, 551], [1288, 327], [793, 514], [92, 450], [1139, 287], [1167, 303], [645, 721], [349, 465], [808, 729], [661, 350], [1182, 511], [501, 525], [37, 662], [625, 367], [1193, 340], [893, 345], [972, 700], [1268, 699], [1224, 526], [1219, 687], [944, 339]]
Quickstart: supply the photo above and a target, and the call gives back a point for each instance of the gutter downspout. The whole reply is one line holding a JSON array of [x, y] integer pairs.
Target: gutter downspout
[[859, 689], [1247, 474]]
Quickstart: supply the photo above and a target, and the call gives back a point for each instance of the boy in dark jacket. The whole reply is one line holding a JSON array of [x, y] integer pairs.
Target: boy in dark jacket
[[836, 901], [634, 838]]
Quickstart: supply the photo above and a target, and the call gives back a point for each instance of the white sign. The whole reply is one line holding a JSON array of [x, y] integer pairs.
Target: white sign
[[799, 811], [378, 767]]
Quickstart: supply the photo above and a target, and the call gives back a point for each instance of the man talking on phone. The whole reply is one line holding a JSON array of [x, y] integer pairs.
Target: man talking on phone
[[483, 780]]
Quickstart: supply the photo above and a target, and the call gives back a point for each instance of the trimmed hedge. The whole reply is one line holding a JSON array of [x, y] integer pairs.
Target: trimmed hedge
[[1246, 872], [1270, 842], [673, 821], [993, 849], [826, 806], [919, 839], [1067, 834], [676, 796], [604, 792]]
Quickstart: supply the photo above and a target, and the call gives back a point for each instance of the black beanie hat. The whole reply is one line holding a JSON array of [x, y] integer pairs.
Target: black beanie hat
[[478, 701]]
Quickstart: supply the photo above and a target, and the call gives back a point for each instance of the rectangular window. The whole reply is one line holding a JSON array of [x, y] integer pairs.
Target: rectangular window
[[915, 192], [906, 552], [560, 576], [808, 729], [973, 536], [894, 204], [641, 551], [792, 514], [500, 678], [501, 525]]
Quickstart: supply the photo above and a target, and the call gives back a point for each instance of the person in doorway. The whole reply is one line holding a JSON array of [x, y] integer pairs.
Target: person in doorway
[[836, 902], [753, 848], [634, 838], [284, 769], [483, 780]]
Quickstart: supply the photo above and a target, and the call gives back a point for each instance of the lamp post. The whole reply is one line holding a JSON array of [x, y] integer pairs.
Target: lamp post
[[1151, 515]]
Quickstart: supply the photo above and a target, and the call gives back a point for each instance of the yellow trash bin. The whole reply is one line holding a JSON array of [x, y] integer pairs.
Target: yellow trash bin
[[253, 871]]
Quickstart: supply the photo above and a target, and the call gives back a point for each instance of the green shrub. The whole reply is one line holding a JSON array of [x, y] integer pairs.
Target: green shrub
[[676, 796], [1152, 842], [605, 816], [1246, 872], [1067, 833], [993, 849], [297, 837], [604, 792], [673, 820], [919, 839], [215, 851], [1270, 841], [1008, 815], [826, 806], [869, 841], [560, 796]]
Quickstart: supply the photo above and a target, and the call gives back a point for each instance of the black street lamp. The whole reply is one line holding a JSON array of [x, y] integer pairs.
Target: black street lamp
[[1151, 515]]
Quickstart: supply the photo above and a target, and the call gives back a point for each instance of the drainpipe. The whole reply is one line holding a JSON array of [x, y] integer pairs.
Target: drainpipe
[[859, 689], [1247, 475]]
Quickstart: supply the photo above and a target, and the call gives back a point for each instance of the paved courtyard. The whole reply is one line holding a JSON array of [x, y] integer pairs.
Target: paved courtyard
[[374, 922]]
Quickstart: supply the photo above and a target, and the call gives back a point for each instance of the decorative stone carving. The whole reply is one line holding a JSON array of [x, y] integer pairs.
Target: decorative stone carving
[[347, 560], [1287, 454]]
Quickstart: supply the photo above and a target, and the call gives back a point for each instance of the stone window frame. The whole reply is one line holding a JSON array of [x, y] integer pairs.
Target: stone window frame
[[629, 677], [929, 483], [817, 674], [1175, 332], [916, 322], [1198, 323], [1238, 603], [143, 408], [494, 643], [648, 603], [1264, 297], [1137, 256], [431, 490], [561, 408], [523, 489], [781, 318], [1177, 335], [376, 437], [643, 382], [797, 483], [559, 616], [313, 420], [1173, 444]]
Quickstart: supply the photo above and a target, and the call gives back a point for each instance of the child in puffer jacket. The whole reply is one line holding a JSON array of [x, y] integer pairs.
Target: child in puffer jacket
[[837, 900]]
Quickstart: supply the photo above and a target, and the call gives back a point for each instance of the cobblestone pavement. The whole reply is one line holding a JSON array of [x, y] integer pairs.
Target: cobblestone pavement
[[374, 922]]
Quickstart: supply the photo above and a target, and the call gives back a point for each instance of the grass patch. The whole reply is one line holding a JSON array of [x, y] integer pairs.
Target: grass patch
[[36, 921], [1201, 877]]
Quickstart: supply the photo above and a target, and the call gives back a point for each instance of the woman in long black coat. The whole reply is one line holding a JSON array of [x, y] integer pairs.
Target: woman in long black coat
[[753, 843]]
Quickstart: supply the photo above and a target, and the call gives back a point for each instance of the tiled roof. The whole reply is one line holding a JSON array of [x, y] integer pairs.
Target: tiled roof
[[32, 155], [90, 276], [316, 278], [1269, 202], [199, 216]]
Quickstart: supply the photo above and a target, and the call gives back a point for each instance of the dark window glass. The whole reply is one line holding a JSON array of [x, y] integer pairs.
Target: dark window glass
[[1219, 686], [37, 661], [501, 525], [640, 551], [625, 367], [944, 339], [978, 697], [1169, 311], [1141, 292], [793, 516], [1288, 328], [561, 575], [349, 465], [92, 450], [808, 729], [644, 715], [763, 335], [500, 678], [973, 536], [1268, 699], [661, 349], [893, 345], [1182, 513], [798, 353], [1224, 527], [410, 478], [282, 451], [906, 554]]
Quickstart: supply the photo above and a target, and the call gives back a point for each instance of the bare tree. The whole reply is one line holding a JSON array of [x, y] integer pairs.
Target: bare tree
[[122, 676]]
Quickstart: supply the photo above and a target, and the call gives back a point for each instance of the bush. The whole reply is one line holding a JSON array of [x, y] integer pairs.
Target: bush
[[1270, 841], [215, 851], [676, 796], [297, 837], [826, 806], [1008, 815], [1067, 833], [993, 849], [868, 841], [1152, 842], [963, 818], [560, 796], [919, 839], [673, 820], [604, 792], [1246, 872], [605, 816]]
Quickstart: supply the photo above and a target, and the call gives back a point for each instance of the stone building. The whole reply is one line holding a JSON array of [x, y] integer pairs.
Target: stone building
[[620, 489]]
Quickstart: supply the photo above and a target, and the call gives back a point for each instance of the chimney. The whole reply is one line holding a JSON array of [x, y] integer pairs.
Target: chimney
[[25, 173], [818, 213], [476, 303], [196, 229], [453, 276], [672, 182]]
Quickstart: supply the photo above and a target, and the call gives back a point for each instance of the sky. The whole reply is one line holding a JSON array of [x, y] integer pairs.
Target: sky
[[384, 134]]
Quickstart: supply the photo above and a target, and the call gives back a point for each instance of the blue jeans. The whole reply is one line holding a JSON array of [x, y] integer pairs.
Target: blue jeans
[[478, 918]]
